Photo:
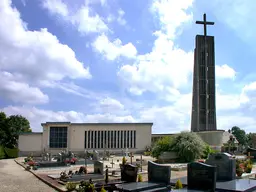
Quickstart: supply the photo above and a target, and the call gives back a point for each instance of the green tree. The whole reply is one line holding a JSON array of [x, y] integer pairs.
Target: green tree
[[251, 139], [10, 128], [162, 145], [239, 134], [188, 146]]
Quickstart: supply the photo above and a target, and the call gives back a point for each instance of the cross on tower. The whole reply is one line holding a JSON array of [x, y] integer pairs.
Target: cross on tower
[[205, 23]]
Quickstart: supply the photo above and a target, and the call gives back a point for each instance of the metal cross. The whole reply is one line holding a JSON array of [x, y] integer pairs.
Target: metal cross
[[205, 23]]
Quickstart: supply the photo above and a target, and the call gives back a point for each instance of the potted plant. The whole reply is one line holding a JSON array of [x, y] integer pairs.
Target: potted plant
[[70, 186]]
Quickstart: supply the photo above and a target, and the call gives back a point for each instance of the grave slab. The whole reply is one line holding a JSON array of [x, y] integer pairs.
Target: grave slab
[[237, 185], [141, 186]]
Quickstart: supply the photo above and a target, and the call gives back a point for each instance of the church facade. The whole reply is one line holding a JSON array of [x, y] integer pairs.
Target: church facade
[[78, 137]]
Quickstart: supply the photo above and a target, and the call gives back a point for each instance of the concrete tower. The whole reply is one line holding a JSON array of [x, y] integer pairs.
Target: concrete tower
[[203, 116]]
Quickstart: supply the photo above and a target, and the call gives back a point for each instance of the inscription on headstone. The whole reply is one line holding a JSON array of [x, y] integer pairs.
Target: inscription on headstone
[[226, 166], [201, 176], [159, 173]]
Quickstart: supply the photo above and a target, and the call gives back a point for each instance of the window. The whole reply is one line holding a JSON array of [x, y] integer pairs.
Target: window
[[132, 139], [89, 139], [105, 139], [128, 139], [85, 139], [102, 140], [115, 139], [118, 142], [58, 137], [98, 145], [134, 136], [122, 139], [125, 139]]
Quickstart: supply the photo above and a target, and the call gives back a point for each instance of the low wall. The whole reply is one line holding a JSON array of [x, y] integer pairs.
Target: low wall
[[212, 138]]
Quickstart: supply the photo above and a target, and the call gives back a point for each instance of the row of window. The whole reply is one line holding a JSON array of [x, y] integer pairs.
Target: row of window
[[110, 139], [95, 139]]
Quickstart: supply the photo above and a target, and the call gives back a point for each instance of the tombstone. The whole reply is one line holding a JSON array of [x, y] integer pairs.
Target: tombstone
[[201, 176], [129, 172], [95, 156], [159, 173], [98, 167], [226, 166]]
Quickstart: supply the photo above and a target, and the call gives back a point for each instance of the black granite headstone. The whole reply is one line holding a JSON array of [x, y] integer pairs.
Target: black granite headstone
[[98, 167], [226, 166], [159, 173], [201, 176], [129, 173]]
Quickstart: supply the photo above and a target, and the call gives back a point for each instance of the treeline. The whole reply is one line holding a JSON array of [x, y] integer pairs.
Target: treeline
[[10, 128], [244, 139]]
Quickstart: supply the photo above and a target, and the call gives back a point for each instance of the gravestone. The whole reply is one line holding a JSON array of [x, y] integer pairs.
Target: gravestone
[[201, 176], [226, 166], [95, 155], [98, 167], [159, 173], [129, 173]]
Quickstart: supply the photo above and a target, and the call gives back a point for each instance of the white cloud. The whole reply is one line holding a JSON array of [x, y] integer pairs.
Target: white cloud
[[37, 116], [29, 58], [120, 18], [12, 89], [83, 18], [111, 104], [115, 49], [166, 66], [225, 71], [240, 13]]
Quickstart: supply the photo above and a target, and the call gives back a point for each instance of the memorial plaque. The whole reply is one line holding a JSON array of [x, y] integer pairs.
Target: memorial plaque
[[201, 176]]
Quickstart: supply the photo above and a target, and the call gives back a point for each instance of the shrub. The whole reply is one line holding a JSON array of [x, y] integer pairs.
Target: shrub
[[2, 153], [11, 153], [70, 186], [188, 146], [208, 151], [162, 145]]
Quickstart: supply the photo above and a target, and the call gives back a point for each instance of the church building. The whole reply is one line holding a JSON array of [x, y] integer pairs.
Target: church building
[[78, 137]]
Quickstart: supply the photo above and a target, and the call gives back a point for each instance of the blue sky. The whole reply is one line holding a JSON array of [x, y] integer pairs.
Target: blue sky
[[117, 61]]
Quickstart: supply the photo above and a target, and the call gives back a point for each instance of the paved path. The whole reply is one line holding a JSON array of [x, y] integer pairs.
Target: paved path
[[14, 178]]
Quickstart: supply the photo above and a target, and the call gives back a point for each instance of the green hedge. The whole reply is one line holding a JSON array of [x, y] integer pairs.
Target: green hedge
[[11, 153], [2, 153]]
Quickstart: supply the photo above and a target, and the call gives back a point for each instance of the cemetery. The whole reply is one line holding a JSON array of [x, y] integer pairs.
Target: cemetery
[[186, 162]]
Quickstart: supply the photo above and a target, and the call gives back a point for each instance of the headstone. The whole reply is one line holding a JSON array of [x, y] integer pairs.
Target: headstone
[[201, 176], [95, 156], [98, 167], [159, 173], [129, 173], [226, 166]]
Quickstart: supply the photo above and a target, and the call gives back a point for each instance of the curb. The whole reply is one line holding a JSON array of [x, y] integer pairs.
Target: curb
[[41, 179]]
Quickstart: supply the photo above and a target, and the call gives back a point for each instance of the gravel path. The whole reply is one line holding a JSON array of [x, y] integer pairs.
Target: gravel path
[[13, 178]]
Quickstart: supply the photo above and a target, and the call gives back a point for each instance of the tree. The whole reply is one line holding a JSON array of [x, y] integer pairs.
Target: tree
[[188, 146], [240, 135], [10, 128], [251, 140]]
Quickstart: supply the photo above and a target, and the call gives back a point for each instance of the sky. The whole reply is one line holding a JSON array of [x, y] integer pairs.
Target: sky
[[124, 61]]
